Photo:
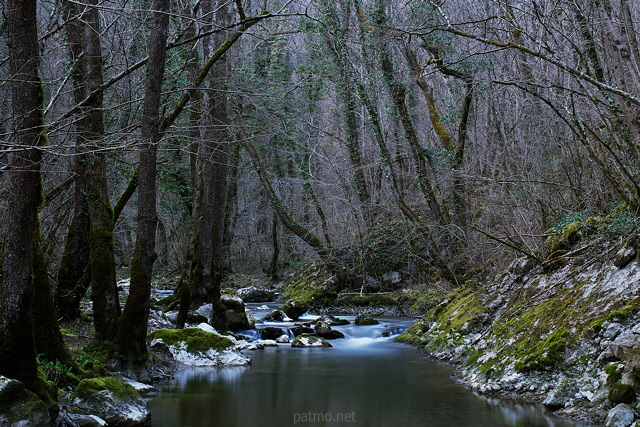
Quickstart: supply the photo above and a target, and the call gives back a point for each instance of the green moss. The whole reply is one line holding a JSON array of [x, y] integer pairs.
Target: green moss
[[545, 354], [91, 386], [194, 339], [621, 393], [310, 286], [614, 373]]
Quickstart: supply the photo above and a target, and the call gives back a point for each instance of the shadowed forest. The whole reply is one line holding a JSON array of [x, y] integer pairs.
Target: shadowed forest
[[434, 139]]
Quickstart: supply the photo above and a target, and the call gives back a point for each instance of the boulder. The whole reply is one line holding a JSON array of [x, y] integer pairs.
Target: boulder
[[145, 390], [236, 315], [277, 316], [18, 406], [254, 294], [306, 340], [116, 402], [298, 329], [271, 333], [192, 317], [232, 302], [332, 335], [365, 320], [322, 328], [621, 393], [196, 347], [283, 339], [561, 395], [620, 416], [333, 321], [624, 256], [82, 420], [626, 347]]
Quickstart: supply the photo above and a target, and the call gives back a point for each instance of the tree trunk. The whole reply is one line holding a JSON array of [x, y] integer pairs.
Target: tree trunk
[[83, 32], [129, 350], [73, 273], [17, 346], [48, 338]]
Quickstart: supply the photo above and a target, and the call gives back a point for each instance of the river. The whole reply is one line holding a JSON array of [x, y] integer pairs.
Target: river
[[363, 380]]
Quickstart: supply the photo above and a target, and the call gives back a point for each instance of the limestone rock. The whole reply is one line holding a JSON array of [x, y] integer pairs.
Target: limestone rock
[[620, 416], [621, 393], [195, 347], [82, 420], [626, 347], [309, 341], [236, 313], [18, 406], [271, 333], [254, 294], [365, 320], [277, 316], [116, 402], [283, 339]]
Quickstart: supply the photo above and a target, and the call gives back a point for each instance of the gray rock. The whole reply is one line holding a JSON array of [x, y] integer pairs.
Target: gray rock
[[309, 341], [626, 347], [236, 315], [254, 294], [561, 395], [271, 333], [118, 403], [322, 328], [192, 317], [365, 320], [624, 256], [82, 420], [145, 390], [282, 339], [277, 316], [632, 380], [620, 416], [232, 302], [20, 407]]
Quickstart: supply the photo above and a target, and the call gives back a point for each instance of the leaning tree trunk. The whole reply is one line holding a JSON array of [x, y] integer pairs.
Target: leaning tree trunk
[[17, 346], [129, 350]]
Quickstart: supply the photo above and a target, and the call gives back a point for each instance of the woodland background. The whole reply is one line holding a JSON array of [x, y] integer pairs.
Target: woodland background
[[435, 138]]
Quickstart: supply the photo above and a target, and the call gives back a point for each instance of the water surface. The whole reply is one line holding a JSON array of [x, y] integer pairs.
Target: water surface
[[364, 380]]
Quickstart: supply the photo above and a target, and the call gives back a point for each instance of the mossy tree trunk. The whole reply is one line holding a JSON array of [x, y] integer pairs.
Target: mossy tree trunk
[[73, 273], [48, 338], [104, 294], [129, 350], [215, 156], [17, 345]]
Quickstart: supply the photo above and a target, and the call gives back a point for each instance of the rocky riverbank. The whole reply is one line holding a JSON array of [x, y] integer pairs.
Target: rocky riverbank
[[569, 338]]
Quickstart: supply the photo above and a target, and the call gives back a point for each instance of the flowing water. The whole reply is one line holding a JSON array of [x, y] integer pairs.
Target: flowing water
[[363, 380]]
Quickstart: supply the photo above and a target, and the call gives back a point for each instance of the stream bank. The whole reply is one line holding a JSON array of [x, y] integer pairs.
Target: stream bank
[[568, 338]]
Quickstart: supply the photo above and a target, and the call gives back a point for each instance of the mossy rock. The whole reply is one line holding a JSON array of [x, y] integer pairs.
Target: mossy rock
[[90, 386], [196, 340], [621, 393], [391, 246], [311, 286], [18, 404], [614, 373], [546, 354], [365, 320]]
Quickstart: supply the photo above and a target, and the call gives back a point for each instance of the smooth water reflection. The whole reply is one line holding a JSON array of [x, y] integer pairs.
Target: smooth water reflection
[[361, 381]]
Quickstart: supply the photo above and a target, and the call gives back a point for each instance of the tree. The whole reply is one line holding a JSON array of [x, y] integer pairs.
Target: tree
[[129, 349], [17, 344]]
